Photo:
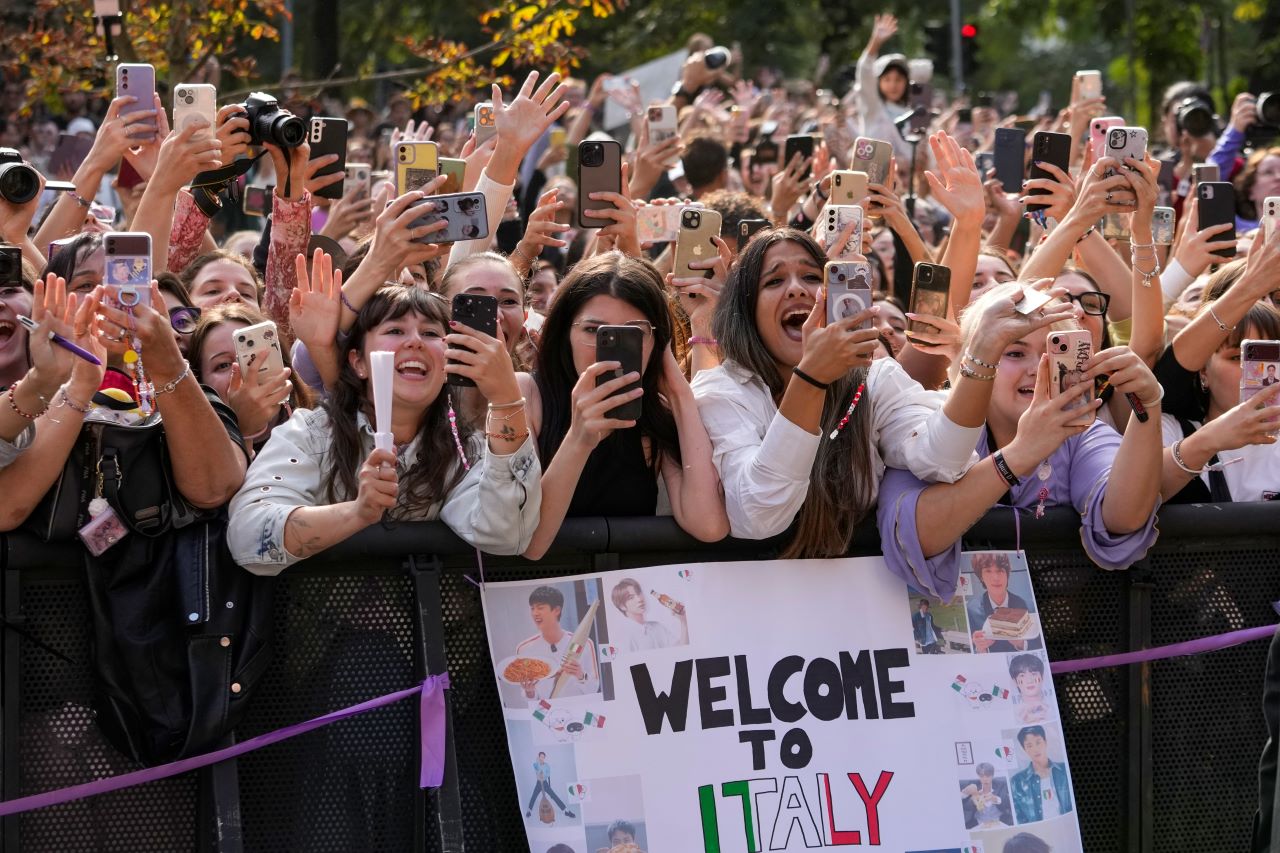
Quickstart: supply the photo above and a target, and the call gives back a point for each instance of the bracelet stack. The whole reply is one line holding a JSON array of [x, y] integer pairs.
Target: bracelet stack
[[1144, 253], [70, 403], [969, 364], [507, 434]]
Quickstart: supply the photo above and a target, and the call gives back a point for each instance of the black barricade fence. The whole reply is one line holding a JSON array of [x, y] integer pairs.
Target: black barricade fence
[[1163, 756]]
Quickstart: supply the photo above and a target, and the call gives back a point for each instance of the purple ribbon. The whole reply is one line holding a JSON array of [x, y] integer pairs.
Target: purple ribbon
[[1190, 647], [431, 722]]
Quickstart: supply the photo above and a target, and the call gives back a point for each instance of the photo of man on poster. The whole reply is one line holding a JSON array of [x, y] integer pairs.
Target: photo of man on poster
[[993, 573], [546, 603]]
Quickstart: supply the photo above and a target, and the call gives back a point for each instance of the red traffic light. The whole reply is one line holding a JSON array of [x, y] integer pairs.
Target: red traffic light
[[969, 31]]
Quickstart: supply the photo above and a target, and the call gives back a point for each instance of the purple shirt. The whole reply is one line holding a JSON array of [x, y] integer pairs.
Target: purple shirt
[[1078, 478]]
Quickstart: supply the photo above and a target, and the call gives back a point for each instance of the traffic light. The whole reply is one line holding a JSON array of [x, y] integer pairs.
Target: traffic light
[[969, 49], [937, 43]]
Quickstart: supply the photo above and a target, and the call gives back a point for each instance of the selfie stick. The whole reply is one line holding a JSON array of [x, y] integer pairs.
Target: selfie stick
[[382, 369], [576, 645]]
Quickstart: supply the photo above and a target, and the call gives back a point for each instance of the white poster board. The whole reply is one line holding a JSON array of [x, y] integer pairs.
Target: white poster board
[[656, 77], [791, 705]]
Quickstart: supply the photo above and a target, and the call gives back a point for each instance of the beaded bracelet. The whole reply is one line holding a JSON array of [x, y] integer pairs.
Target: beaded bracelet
[[79, 199], [72, 404], [515, 436], [347, 303], [971, 357], [13, 404], [969, 373], [699, 339]]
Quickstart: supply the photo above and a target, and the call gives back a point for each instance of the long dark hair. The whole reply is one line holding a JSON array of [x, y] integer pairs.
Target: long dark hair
[[841, 487], [68, 258], [436, 470], [637, 283]]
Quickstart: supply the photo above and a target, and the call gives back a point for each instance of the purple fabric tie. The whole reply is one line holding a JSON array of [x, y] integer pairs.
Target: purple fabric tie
[[431, 723], [1190, 647]]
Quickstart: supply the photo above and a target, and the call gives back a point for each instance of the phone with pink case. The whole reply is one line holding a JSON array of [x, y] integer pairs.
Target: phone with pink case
[[1069, 354], [1098, 133]]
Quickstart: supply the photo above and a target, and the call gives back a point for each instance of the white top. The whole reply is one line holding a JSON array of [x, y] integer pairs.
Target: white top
[[875, 115], [650, 635], [765, 461], [11, 450], [590, 683], [494, 508], [1049, 797], [1257, 478]]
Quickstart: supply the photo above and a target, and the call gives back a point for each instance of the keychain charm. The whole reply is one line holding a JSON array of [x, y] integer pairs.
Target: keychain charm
[[1043, 473]]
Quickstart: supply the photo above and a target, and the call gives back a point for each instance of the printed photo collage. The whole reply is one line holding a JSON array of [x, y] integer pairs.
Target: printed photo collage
[[1012, 782], [555, 646]]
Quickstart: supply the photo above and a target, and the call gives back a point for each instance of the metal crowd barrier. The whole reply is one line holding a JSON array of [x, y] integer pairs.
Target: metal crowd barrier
[[1163, 755]]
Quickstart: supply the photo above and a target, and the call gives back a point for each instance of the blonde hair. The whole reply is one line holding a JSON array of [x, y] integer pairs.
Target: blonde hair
[[972, 313]]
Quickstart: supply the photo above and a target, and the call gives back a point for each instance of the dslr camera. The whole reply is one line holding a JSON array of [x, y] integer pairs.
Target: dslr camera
[[269, 123], [10, 266], [1266, 129], [1195, 115], [19, 181]]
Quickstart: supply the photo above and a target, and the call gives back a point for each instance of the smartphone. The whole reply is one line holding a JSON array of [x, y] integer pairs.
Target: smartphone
[[417, 164], [360, 176], [848, 187], [872, 156], [1098, 128], [1163, 220], [1216, 201], [1048, 147], [658, 223], [126, 268], [466, 213], [454, 170], [1010, 158], [920, 99], [329, 136], [1116, 226], [486, 122], [256, 201], [661, 119], [138, 80], [1089, 84], [748, 228], [1205, 172], [693, 243], [625, 345], [1125, 142], [1259, 367], [1069, 354], [1270, 215], [798, 143], [477, 311], [599, 170], [848, 290], [835, 218], [258, 346], [930, 292], [195, 102]]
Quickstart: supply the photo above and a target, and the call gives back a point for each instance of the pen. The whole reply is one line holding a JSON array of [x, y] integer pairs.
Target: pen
[[61, 341]]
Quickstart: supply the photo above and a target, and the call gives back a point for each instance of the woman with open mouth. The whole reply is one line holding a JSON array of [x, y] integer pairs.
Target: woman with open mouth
[[319, 478]]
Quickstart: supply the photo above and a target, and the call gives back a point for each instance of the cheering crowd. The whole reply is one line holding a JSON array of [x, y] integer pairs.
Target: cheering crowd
[[752, 409]]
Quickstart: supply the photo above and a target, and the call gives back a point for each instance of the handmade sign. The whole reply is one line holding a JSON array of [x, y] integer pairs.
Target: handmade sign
[[781, 705]]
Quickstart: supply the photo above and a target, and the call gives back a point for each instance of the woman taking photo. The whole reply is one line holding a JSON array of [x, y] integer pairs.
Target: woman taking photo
[[319, 479], [802, 422], [1046, 449], [597, 465]]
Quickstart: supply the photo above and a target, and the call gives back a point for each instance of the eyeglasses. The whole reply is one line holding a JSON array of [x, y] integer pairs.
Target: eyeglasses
[[584, 332], [183, 319], [1091, 302]]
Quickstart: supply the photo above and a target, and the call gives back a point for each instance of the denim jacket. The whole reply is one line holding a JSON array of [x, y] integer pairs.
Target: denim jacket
[[494, 508]]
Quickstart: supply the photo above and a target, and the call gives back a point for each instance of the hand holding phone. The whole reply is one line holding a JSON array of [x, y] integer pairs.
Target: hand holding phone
[[625, 345], [475, 311]]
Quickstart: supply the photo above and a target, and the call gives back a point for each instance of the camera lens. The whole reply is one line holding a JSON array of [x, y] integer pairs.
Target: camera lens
[[1195, 116], [1269, 108], [19, 183], [288, 131]]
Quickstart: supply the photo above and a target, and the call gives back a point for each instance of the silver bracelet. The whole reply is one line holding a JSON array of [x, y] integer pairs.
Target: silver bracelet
[[169, 386], [1221, 325], [1177, 460]]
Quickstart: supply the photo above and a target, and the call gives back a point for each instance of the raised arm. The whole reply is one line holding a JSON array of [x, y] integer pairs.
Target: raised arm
[[183, 155]]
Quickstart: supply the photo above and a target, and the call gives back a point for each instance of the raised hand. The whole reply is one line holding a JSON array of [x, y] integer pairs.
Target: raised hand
[[315, 305], [589, 426], [521, 122], [956, 183]]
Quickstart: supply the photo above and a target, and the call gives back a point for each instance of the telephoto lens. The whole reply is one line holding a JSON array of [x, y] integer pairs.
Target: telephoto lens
[[269, 123], [1195, 116], [1269, 108], [19, 181]]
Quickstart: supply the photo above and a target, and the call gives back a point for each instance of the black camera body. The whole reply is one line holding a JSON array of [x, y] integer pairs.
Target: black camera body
[[1195, 115], [10, 265], [269, 123], [19, 181]]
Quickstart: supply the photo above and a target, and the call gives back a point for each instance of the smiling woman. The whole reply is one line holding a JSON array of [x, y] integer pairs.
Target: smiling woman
[[319, 479]]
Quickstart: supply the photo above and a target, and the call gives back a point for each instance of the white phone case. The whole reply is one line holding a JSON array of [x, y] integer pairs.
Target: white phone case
[[834, 219], [195, 101], [258, 347]]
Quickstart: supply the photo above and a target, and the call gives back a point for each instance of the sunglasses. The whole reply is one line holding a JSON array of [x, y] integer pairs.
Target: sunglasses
[[183, 319]]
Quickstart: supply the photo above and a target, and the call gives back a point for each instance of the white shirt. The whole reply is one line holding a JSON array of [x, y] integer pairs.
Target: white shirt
[[494, 508], [1256, 478], [496, 196], [650, 635], [11, 450], [538, 645], [766, 461]]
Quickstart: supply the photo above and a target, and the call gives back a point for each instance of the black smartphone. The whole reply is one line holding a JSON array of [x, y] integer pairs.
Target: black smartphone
[[930, 292], [1217, 205], [1010, 155], [329, 136], [1048, 147], [475, 311], [920, 99], [798, 143], [599, 170], [747, 229], [625, 345]]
